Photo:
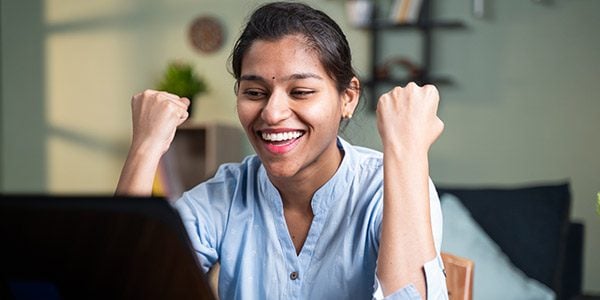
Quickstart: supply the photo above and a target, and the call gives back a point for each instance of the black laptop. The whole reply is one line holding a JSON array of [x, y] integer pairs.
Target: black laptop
[[89, 247]]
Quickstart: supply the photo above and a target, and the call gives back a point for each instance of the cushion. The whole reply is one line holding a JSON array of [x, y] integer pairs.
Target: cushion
[[528, 223], [495, 277]]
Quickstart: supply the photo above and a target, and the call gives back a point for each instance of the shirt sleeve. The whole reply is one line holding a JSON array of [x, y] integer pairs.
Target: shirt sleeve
[[435, 276], [199, 233]]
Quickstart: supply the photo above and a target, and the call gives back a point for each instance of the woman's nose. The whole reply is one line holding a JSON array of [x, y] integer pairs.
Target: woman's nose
[[276, 109]]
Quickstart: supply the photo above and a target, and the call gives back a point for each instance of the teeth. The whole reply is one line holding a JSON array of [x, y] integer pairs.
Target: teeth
[[281, 136]]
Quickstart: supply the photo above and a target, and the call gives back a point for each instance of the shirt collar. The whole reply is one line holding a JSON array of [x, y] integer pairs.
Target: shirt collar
[[335, 189]]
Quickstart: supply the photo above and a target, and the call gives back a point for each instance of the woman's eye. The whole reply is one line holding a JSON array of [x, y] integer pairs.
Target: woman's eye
[[254, 94], [302, 93]]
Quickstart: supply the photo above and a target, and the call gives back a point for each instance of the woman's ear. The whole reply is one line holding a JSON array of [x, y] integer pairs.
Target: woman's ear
[[350, 98]]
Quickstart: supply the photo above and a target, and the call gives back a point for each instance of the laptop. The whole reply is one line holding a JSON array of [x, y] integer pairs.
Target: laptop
[[96, 247]]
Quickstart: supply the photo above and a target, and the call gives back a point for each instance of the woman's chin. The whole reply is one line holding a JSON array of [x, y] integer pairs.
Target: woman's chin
[[281, 169]]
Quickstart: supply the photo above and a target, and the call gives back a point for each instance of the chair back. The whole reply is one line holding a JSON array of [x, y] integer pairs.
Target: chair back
[[459, 276]]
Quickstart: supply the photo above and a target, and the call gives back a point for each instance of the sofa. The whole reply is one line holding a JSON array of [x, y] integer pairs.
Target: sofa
[[530, 224]]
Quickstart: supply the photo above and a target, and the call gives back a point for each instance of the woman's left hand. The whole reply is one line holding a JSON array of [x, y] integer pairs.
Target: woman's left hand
[[407, 118]]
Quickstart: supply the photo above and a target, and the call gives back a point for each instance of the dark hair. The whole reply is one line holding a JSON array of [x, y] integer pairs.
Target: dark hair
[[275, 20]]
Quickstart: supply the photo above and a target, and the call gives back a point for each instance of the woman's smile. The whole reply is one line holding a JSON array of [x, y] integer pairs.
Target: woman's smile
[[280, 141]]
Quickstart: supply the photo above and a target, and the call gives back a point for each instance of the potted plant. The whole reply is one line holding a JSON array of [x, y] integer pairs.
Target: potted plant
[[180, 79]]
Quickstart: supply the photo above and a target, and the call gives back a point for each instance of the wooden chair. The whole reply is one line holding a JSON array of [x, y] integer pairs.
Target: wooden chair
[[459, 276]]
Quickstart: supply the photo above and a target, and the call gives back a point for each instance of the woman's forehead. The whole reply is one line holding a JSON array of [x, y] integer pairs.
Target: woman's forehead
[[288, 55]]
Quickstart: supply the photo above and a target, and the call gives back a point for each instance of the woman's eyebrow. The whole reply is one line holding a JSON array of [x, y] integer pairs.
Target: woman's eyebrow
[[296, 76], [299, 76], [252, 78]]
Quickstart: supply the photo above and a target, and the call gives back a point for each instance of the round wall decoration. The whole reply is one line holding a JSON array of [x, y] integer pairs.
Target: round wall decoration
[[206, 34]]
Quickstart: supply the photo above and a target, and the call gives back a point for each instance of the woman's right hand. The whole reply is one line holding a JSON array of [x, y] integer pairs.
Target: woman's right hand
[[156, 116]]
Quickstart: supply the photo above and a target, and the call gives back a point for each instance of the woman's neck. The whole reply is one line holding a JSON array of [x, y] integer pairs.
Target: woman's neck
[[297, 191]]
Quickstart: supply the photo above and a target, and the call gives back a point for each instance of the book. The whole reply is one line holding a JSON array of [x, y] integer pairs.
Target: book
[[414, 10], [405, 11], [399, 10]]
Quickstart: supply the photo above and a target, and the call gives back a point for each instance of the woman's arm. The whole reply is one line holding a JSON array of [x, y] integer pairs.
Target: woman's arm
[[408, 125], [155, 116]]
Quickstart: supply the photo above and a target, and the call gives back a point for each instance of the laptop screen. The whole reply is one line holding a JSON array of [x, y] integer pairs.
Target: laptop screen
[[73, 247]]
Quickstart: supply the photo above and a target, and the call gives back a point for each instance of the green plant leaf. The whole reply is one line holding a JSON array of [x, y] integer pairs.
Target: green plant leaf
[[180, 79]]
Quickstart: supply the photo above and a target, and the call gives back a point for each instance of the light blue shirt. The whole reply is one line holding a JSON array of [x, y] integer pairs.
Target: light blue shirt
[[236, 218]]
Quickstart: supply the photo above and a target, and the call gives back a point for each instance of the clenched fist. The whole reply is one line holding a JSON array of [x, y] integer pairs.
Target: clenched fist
[[407, 118], [156, 116]]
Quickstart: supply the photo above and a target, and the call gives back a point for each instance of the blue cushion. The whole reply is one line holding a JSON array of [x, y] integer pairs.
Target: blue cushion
[[528, 223], [495, 276]]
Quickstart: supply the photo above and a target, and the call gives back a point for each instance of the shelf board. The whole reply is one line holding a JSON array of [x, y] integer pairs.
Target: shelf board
[[435, 80], [385, 24]]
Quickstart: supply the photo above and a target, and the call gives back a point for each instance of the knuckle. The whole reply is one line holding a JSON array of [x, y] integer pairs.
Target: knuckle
[[383, 98], [148, 93], [440, 124], [430, 88], [166, 106], [412, 85], [397, 90]]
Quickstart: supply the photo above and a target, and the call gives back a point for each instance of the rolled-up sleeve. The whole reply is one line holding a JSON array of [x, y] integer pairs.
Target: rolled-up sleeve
[[435, 280], [435, 277]]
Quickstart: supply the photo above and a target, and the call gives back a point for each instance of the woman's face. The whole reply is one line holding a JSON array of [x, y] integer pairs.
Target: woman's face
[[290, 108]]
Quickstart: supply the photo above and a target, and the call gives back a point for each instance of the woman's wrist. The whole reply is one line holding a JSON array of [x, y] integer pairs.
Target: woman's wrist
[[139, 171]]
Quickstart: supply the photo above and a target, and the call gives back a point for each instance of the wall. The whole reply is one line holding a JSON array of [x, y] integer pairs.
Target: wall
[[22, 124], [524, 107]]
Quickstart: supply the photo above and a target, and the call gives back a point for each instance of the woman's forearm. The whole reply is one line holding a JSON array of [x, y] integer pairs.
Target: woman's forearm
[[408, 124], [406, 237]]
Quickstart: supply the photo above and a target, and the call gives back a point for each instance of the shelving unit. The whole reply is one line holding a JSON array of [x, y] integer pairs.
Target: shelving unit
[[195, 154], [425, 25]]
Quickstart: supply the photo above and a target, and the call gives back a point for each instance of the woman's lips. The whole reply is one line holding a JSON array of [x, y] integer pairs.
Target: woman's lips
[[280, 141]]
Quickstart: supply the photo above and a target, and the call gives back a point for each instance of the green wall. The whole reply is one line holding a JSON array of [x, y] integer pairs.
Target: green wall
[[22, 123], [524, 106]]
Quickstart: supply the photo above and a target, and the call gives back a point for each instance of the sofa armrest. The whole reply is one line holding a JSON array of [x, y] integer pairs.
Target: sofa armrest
[[571, 275]]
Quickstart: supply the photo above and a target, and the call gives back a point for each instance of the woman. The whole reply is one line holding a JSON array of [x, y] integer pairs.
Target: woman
[[310, 216]]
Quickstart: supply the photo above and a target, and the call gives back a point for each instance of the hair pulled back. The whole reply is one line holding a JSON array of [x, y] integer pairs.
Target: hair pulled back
[[276, 20]]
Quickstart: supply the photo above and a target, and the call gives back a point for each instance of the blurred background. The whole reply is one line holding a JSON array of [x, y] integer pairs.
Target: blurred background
[[523, 106]]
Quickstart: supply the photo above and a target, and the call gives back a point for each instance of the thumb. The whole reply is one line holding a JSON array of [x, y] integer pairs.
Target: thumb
[[186, 102]]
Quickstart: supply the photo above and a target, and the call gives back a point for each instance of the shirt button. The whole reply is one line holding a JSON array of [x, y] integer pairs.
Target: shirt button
[[294, 275]]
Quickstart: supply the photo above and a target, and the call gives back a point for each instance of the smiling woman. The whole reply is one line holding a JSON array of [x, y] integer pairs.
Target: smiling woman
[[309, 216]]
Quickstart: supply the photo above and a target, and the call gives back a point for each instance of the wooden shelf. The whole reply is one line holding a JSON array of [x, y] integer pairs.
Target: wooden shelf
[[195, 154], [386, 25], [437, 80]]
